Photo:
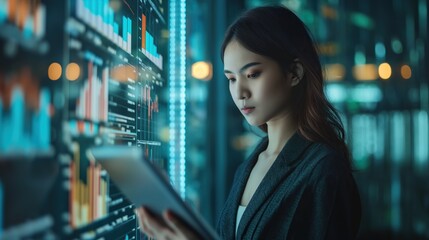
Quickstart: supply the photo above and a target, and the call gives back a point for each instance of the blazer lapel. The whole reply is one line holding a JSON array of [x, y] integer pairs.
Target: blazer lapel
[[281, 168], [238, 189]]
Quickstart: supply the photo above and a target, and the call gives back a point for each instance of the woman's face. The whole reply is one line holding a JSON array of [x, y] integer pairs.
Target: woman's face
[[258, 86]]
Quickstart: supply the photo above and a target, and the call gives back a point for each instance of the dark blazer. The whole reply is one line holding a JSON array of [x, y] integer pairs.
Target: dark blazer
[[308, 193]]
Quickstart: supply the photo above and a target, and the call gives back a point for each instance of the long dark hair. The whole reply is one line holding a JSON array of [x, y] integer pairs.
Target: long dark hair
[[277, 33]]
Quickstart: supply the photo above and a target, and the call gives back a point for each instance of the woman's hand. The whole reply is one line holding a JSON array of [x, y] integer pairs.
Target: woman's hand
[[173, 228]]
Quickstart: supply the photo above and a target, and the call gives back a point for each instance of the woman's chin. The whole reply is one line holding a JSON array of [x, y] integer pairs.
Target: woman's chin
[[254, 123]]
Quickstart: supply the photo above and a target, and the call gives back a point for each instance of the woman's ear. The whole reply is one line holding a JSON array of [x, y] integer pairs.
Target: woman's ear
[[297, 71]]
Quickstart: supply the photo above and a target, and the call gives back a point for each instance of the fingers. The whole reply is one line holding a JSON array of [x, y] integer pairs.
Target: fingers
[[144, 226], [172, 222], [151, 226], [178, 226]]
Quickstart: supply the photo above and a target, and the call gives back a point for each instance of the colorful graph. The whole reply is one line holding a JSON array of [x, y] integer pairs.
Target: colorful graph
[[78, 128], [151, 104], [99, 15], [121, 126], [28, 16], [146, 125], [88, 190], [148, 47], [93, 100], [104, 100], [25, 112]]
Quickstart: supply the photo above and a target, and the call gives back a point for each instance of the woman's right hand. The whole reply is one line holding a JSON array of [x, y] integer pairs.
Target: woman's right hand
[[173, 228]]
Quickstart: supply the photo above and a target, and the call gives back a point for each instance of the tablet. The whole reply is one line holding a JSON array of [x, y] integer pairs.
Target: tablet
[[143, 184]]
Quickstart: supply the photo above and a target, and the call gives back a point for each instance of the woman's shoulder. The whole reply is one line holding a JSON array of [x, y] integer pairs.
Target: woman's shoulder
[[328, 163]]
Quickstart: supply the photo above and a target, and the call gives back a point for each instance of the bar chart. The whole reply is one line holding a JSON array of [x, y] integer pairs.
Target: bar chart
[[148, 47], [28, 16], [88, 190], [93, 100], [150, 26], [24, 114], [101, 17]]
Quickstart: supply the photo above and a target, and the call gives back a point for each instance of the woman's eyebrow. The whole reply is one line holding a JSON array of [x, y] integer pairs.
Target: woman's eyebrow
[[244, 67]]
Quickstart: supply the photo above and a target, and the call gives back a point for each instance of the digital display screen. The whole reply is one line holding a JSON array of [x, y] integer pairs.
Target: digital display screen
[[73, 75]]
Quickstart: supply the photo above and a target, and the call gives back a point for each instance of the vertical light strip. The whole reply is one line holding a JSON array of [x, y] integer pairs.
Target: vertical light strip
[[398, 137], [421, 137], [177, 102], [172, 90], [182, 170], [423, 17], [380, 135]]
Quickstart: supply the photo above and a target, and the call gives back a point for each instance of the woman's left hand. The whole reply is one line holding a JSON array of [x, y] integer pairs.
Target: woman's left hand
[[173, 228]]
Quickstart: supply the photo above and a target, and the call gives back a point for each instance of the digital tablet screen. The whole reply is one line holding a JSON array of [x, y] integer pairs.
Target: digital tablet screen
[[145, 185]]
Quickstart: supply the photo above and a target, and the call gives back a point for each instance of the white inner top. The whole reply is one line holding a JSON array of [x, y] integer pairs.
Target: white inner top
[[239, 215]]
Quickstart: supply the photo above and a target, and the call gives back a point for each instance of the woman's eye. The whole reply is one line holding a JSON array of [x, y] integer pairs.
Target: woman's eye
[[231, 79], [253, 75]]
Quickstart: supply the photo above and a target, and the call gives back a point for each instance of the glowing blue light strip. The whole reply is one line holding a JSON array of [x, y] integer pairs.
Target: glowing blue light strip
[[172, 86], [182, 158], [177, 103]]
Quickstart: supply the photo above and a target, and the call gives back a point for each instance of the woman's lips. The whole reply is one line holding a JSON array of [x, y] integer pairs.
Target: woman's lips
[[247, 110]]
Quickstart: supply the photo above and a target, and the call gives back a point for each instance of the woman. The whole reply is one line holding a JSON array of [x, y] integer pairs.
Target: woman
[[297, 183]]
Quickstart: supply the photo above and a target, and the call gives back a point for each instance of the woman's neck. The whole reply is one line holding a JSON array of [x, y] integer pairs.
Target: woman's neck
[[279, 133]]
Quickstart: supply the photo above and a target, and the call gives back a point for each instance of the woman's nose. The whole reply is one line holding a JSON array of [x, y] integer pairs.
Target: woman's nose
[[242, 90]]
